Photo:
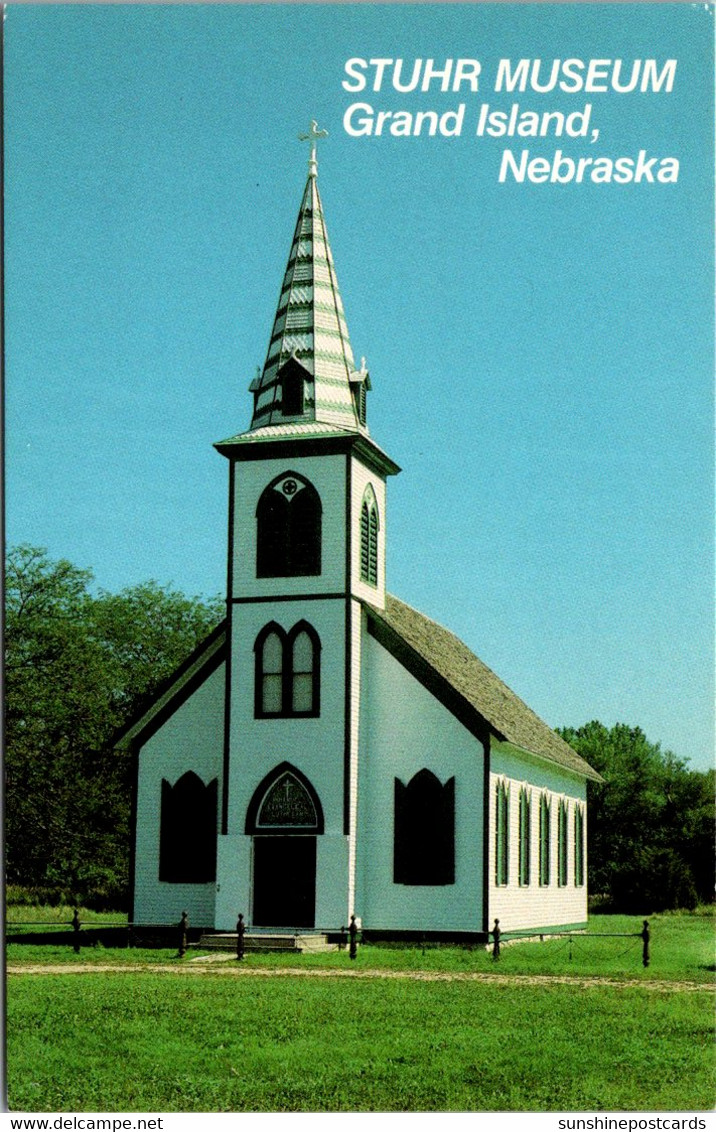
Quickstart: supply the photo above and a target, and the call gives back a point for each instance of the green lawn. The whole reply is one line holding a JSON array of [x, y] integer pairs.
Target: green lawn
[[149, 1041], [153, 1042], [682, 948]]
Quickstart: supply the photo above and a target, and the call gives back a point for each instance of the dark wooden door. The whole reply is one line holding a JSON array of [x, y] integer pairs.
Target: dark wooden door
[[284, 881]]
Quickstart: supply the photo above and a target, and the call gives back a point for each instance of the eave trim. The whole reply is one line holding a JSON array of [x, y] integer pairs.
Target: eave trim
[[429, 677], [174, 691]]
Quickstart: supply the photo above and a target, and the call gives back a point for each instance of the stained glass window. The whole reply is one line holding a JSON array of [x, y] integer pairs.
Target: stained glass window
[[287, 803]]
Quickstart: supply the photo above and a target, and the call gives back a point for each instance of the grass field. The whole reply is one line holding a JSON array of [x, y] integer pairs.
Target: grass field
[[151, 1041], [56, 916], [682, 947]]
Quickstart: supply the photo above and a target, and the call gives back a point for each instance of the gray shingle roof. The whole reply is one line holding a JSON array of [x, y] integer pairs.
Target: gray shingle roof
[[478, 686]]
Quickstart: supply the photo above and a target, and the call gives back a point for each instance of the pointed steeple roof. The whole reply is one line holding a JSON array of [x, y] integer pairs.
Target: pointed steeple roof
[[310, 390], [310, 336]]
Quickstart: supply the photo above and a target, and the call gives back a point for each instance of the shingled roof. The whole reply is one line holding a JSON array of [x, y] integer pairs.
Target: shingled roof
[[310, 330], [476, 690]]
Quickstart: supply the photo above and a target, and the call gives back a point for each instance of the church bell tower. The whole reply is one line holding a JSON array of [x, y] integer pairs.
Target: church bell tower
[[307, 529]]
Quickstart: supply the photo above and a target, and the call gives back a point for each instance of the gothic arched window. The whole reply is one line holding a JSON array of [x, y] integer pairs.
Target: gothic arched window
[[369, 525], [287, 671], [544, 835], [502, 833], [187, 836], [579, 844], [284, 802], [525, 832], [424, 837], [288, 529], [287, 803], [562, 843]]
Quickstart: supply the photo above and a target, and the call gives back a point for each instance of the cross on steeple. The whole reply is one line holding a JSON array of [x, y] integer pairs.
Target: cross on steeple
[[312, 135]]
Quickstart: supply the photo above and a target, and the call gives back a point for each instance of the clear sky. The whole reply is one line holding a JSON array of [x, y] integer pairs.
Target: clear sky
[[541, 354]]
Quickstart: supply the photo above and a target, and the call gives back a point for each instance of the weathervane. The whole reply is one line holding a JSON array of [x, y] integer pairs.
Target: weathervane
[[312, 135]]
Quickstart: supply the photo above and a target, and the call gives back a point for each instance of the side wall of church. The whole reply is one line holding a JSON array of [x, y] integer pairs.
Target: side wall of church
[[404, 729], [190, 739], [534, 905]]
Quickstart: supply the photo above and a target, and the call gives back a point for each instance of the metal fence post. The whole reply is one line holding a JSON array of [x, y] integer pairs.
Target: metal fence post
[[240, 929], [646, 936], [183, 926], [496, 933], [76, 932], [353, 932]]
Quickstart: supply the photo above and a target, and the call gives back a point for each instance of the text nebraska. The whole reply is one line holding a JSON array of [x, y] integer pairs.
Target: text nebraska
[[561, 169]]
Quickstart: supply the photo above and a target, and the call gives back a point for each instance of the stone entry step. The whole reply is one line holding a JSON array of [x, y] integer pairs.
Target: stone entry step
[[291, 943]]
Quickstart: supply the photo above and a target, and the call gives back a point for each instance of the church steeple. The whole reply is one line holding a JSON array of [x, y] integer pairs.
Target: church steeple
[[310, 374]]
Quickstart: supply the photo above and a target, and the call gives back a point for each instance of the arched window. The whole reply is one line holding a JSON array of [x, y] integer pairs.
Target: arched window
[[562, 843], [288, 529], [287, 671], [287, 803], [187, 836], [424, 836], [579, 845], [544, 834], [269, 684], [284, 802], [525, 832], [369, 525], [502, 833]]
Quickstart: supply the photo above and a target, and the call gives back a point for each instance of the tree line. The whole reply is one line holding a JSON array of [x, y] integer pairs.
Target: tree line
[[77, 666], [79, 663]]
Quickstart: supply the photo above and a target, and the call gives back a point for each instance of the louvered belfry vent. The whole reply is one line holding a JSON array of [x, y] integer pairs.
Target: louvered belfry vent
[[369, 526]]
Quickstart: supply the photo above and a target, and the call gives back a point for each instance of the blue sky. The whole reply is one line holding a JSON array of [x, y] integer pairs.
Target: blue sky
[[541, 354]]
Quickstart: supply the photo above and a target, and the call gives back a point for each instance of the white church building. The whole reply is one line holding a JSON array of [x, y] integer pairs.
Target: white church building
[[328, 751]]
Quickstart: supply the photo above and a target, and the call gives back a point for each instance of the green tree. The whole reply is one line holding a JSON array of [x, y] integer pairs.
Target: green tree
[[76, 667], [650, 824]]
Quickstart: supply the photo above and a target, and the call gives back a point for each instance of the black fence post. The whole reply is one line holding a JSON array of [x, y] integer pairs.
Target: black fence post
[[646, 936], [353, 932], [76, 932], [496, 933], [240, 929], [342, 938], [183, 928]]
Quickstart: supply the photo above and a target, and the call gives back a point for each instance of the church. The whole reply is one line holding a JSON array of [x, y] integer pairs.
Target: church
[[329, 751]]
